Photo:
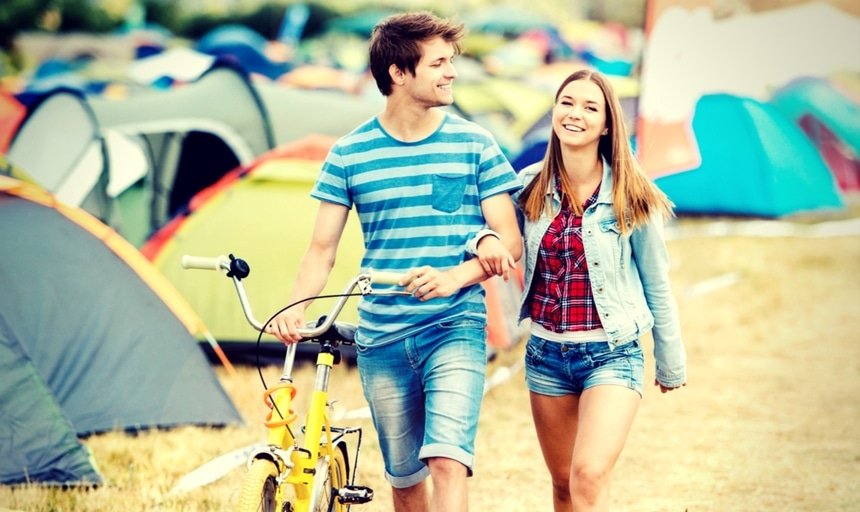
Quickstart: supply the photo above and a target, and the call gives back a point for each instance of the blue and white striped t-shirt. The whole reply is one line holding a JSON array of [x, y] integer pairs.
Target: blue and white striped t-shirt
[[419, 203]]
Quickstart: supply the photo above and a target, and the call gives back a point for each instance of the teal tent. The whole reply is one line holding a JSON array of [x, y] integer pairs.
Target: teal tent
[[510, 21], [818, 98], [360, 23], [831, 119], [37, 441], [755, 162]]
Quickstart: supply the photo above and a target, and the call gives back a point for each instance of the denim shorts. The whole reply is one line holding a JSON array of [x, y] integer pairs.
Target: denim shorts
[[425, 395], [556, 369]]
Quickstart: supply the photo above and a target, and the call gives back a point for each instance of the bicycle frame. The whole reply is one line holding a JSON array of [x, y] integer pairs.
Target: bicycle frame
[[297, 466], [299, 463]]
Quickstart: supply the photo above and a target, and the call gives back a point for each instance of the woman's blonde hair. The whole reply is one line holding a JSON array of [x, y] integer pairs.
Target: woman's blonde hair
[[634, 196]]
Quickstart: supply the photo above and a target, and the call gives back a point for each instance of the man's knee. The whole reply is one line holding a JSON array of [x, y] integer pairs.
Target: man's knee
[[441, 467]]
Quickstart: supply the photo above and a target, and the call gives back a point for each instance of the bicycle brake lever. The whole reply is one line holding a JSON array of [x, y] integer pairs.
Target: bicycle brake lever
[[363, 285]]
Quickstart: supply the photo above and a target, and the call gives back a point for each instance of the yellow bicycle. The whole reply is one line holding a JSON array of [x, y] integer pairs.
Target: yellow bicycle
[[312, 475]]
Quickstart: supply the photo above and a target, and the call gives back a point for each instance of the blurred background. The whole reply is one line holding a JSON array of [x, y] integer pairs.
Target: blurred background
[[152, 129]]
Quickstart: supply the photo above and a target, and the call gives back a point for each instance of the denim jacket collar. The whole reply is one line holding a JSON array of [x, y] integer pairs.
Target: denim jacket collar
[[553, 199]]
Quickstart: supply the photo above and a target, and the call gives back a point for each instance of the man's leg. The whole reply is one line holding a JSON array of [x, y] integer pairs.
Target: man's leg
[[449, 485], [392, 388], [453, 361], [411, 499]]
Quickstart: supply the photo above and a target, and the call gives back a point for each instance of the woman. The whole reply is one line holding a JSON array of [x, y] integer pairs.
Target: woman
[[596, 281]]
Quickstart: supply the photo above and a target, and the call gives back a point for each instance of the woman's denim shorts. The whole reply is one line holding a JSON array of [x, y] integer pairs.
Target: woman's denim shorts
[[559, 368]]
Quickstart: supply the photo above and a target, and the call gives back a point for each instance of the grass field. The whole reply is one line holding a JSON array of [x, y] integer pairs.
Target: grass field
[[768, 420]]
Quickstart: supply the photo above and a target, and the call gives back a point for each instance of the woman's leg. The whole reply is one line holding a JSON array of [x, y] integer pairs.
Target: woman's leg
[[606, 413], [555, 420]]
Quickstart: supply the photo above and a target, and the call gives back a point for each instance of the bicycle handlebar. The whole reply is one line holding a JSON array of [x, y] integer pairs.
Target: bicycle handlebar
[[203, 263], [237, 269], [387, 278]]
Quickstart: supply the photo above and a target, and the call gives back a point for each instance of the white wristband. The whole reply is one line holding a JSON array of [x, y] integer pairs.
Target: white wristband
[[472, 245]]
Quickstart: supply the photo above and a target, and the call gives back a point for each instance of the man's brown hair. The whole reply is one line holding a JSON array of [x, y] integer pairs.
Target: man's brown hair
[[396, 40]]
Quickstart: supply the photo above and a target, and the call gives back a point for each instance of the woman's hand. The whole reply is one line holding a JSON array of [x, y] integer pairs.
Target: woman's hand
[[495, 258], [664, 389]]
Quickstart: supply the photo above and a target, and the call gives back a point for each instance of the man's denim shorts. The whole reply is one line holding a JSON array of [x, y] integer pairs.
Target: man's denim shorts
[[560, 368], [425, 396]]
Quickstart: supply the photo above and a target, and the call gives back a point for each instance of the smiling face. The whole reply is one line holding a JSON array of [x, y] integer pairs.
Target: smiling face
[[431, 86], [579, 114]]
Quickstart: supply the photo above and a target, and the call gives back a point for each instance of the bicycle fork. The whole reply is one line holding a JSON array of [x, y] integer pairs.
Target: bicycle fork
[[318, 425]]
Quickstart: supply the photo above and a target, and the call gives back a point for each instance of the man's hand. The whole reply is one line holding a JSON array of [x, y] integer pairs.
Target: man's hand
[[495, 258], [427, 283], [285, 326]]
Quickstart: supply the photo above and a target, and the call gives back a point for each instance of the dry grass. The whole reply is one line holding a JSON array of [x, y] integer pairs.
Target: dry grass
[[767, 422]]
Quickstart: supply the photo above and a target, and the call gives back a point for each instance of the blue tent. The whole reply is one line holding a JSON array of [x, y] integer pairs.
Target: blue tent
[[533, 150], [244, 47], [755, 161]]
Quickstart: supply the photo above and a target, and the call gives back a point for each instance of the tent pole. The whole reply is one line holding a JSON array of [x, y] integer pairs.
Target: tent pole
[[220, 353]]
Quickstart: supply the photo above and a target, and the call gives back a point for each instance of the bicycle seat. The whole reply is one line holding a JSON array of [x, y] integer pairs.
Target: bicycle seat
[[341, 333], [346, 331]]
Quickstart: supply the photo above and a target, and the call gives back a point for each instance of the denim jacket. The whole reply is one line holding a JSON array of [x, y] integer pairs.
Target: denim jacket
[[629, 276]]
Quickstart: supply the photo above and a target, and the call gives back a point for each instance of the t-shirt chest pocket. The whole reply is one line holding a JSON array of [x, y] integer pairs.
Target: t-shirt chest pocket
[[448, 192]]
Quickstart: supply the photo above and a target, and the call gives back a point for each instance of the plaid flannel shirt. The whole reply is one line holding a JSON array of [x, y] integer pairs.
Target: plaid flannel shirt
[[562, 299]]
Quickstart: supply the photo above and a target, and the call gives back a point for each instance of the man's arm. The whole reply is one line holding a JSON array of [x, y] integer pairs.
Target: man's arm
[[427, 283], [313, 271]]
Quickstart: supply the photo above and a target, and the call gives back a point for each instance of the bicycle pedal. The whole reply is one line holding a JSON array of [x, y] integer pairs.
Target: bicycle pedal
[[354, 494]]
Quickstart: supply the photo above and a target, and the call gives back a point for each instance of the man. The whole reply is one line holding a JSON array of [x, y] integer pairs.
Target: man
[[424, 183]]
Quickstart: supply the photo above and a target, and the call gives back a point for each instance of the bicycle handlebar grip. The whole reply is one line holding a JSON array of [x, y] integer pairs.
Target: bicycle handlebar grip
[[392, 278], [202, 262]]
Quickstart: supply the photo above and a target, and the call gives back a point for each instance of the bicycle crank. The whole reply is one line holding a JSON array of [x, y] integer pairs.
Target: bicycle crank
[[354, 494]]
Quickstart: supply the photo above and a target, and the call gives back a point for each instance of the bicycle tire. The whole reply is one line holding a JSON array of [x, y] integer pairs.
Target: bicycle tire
[[260, 488], [325, 488]]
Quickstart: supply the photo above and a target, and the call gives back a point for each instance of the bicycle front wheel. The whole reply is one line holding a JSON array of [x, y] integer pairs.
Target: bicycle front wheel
[[332, 474], [260, 488]]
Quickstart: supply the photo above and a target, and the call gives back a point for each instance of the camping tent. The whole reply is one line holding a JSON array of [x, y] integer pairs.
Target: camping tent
[[505, 20], [92, 339], [264, 214], [831, 119], [58, 143], [179, 64], [755, 161], [360, 22], [12, 112], [727, 56], [192, 135], [136, 162], [242, 46], [39, 444], [295, 112], [505, 107]]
